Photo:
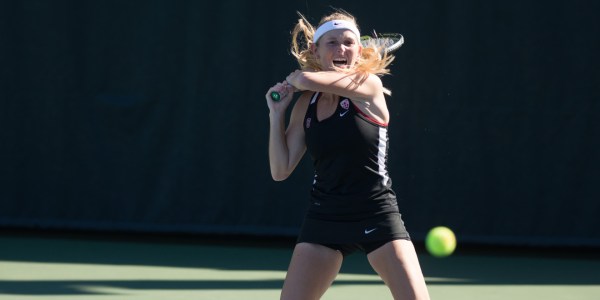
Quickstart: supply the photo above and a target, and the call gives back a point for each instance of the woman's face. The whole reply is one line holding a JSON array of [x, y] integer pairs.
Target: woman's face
[[339, 48]]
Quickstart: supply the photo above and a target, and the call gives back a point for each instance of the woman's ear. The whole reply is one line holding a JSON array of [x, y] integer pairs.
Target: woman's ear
[[313, 49]]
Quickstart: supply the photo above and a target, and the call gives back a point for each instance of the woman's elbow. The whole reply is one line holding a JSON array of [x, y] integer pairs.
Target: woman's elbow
[[279, 176]]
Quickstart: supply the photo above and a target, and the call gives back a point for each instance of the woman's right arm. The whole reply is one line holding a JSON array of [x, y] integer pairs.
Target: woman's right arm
[[286, 146]]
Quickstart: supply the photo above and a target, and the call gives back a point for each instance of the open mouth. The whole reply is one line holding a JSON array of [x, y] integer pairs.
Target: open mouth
[[340, 62]]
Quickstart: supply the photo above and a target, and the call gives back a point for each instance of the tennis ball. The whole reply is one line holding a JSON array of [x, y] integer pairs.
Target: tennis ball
[[440, 241]]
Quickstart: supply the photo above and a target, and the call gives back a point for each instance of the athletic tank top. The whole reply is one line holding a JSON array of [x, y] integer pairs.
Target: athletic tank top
[[349, 153]]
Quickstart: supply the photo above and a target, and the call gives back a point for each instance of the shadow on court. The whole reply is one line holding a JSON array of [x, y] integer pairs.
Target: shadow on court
[[66, 287], [469, 267]]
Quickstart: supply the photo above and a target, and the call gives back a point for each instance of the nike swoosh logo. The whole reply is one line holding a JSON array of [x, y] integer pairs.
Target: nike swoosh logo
[[343, 113], [367, 231]]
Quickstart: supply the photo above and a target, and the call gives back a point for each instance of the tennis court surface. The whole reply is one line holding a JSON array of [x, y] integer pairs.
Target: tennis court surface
[[90, 266]]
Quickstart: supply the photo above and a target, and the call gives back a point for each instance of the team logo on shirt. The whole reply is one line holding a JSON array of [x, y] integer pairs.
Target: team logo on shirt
[[307, 123], [345, 104]]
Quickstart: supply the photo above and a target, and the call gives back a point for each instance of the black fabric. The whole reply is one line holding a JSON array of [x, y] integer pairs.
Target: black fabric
[[347, 249], [349, 156], [377, 228], [150, 116]]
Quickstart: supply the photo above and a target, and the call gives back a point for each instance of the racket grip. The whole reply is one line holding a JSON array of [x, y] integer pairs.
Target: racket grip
[[275, 96]]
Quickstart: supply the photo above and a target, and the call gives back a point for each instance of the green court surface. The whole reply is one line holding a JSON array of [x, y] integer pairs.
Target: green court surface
[[88, 267]]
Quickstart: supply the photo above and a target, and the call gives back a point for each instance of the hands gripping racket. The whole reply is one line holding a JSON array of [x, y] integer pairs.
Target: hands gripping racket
[[384, 42], [275, 96]]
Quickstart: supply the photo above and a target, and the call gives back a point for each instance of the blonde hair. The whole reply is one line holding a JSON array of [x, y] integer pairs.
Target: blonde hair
[[370, 60]]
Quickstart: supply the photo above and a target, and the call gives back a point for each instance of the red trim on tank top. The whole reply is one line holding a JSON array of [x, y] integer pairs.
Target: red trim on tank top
[[371, 119]]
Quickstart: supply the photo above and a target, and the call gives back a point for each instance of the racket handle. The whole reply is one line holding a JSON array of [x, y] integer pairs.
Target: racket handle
[[275, 96]]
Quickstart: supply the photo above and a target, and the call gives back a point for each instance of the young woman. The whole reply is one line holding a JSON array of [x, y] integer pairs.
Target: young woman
[[341, 117]]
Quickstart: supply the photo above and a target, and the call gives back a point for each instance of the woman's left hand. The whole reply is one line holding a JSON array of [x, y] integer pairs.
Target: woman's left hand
[[294, 79]]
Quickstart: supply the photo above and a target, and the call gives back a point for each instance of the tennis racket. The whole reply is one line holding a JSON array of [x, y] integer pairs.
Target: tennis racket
[[384, 42]]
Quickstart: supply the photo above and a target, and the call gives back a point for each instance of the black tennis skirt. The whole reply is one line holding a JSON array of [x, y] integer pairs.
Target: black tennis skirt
[[379, 228]]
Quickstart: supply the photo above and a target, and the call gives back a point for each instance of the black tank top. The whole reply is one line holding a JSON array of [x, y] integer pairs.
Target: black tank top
[[349, 153]]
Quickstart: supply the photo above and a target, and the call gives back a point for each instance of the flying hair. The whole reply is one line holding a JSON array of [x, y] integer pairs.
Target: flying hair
[[369, 62]]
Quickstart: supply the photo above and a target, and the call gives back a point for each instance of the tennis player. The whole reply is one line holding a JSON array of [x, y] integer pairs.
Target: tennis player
[[341, 117]]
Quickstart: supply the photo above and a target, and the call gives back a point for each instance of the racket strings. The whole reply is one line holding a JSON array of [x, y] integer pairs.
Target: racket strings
[[383, 42]]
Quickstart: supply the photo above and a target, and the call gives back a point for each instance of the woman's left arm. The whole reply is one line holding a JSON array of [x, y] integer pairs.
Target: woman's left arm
[[356, 86]]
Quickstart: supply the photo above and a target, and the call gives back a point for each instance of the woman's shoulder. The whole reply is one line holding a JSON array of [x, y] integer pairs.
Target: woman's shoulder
[[374, 79]]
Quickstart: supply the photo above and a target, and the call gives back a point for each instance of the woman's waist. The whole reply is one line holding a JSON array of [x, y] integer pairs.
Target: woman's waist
[[351, 206]]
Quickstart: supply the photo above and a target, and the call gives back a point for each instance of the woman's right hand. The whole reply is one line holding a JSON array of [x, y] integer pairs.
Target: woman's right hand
[[286, 93]]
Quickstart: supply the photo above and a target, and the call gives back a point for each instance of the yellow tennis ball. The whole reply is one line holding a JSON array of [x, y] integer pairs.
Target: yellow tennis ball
[[440, 241]]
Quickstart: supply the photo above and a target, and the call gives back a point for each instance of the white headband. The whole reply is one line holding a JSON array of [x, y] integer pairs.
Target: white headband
[[335, 24]]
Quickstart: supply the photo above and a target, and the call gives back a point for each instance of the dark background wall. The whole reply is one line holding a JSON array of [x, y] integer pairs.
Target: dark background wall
[[150, 116]]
